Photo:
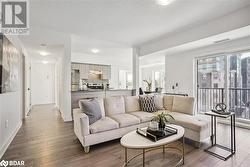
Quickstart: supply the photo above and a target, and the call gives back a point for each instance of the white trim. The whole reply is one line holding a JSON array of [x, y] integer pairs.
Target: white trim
[[65, 119], [6, 145]]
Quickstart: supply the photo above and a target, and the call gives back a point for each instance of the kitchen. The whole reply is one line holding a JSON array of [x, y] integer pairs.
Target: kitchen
[[93, 81]]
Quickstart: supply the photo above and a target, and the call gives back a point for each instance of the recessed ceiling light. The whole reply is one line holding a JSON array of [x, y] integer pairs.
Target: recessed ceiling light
[[43, 53], [45, 62], [164, 2], [95, 50], [43, 45]]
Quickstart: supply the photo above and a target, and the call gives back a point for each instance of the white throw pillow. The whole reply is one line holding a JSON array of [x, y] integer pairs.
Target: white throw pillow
[[132, 103], [114, 105], [159, 102]]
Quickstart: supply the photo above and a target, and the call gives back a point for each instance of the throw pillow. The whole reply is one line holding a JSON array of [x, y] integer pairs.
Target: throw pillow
[[147, 103], [159, 102], [132, 103], [92, 110]]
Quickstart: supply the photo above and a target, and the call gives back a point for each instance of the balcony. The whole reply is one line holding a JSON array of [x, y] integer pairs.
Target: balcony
[[238, 100]]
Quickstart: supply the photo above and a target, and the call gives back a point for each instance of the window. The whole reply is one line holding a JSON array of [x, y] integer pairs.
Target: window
[[225, 78]]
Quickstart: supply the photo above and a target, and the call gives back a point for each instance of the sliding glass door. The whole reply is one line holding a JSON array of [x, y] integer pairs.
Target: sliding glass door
[[210, 82], [239, 84], [225, 78]]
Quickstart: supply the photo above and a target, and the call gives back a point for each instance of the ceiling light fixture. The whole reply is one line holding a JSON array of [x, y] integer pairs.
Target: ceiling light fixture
[[43, 53], [164, 2], [45, 62], [95, 50]]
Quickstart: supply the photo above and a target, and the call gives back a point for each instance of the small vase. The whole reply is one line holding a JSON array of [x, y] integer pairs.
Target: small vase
[[161, 126]]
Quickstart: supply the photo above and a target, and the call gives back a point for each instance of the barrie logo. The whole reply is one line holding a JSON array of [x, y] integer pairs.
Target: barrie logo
[[4, 163], [14, 17]]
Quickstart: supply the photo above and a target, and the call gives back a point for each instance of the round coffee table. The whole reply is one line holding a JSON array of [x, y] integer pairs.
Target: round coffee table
[[132, 140]]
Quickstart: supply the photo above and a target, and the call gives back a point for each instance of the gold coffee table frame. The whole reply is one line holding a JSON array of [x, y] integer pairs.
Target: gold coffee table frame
[[163, 147]]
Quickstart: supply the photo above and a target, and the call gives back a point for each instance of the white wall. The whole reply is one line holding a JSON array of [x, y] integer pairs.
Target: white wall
[[117, 63], [10, 110], [42, 83], [180, 67], [147, 73]]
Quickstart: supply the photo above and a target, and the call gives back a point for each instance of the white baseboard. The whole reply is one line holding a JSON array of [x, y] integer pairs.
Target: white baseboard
[[6, 145], [65, 118]]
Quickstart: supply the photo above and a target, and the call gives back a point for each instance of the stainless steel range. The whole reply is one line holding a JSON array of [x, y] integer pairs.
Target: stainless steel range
[[95, 85]]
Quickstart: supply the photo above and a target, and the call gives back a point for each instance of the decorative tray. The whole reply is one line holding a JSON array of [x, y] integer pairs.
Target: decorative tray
[[158, 134]]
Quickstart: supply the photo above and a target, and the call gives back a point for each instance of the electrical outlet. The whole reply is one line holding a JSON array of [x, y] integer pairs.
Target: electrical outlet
[[6, 123]]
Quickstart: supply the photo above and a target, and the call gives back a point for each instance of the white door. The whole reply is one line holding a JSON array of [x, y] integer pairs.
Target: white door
[[42, 83]]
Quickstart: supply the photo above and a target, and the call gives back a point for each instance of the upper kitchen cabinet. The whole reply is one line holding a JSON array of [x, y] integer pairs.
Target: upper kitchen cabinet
[[106, 72], [75, 66], [84, 71]]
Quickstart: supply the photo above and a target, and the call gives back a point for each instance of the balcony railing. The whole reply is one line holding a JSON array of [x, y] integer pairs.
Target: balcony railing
[[208, 97], [238, 100]]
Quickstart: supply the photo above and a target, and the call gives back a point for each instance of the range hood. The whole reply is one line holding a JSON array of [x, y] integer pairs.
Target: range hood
[[95, 75]]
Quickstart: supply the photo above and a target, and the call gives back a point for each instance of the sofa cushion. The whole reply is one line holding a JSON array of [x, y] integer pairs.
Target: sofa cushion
[[103, 124], [101, 103], [114, 105], [92, 110], [99, 100], [143, 116], [183, 105], [159, 102], [147, 103], [168, 102], [125, 120], [188, 121], [132, 103]]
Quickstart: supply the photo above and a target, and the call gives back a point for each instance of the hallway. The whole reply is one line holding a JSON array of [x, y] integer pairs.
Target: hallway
[[43, 138]]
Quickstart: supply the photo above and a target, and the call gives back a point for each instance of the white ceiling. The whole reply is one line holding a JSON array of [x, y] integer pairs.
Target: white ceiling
[[113, 26], [159, 57], [126, 21]]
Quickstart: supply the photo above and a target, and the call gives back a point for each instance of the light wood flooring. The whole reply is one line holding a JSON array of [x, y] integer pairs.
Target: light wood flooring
[[45, 140]]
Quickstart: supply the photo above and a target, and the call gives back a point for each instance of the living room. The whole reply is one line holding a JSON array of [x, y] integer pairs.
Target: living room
[[80, 77]]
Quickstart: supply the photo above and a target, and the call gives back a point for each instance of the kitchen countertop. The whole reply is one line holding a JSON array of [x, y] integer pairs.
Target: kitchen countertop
[[101, 90]]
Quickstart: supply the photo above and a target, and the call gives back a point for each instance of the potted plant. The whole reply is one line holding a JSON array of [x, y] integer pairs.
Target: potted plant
[[149, 84], [163, 119]]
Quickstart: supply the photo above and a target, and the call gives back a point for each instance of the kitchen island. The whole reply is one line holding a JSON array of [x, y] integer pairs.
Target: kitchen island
[[97, 93]]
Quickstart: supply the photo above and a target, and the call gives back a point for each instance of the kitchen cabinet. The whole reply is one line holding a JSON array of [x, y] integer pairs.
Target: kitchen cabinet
[[106, 72], [84, 71], [75, 66], [85, 68]]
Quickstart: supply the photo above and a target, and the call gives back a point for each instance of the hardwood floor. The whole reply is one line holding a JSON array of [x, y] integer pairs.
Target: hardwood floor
[[45, 140]]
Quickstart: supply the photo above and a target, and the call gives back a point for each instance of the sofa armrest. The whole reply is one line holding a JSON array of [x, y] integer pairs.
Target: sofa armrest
[[81, 123]]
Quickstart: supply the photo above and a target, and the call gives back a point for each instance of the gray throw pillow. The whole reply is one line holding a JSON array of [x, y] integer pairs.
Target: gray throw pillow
[[147, 103], [92, 110]]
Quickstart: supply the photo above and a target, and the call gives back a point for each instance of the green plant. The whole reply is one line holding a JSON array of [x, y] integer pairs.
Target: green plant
[[149, 84], [163, 119]]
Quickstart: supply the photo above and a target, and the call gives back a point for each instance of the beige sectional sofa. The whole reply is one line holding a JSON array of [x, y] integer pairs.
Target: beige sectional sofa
[[121, 115]]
